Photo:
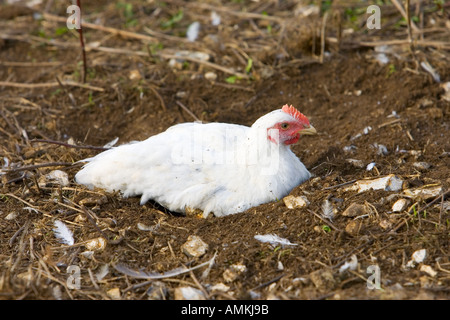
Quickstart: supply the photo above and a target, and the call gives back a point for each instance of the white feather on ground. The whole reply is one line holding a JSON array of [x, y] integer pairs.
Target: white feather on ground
[[63, 233], [274, 240], [327, 210]]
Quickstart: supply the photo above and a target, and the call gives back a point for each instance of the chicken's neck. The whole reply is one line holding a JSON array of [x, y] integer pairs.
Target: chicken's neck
[[263, 153]]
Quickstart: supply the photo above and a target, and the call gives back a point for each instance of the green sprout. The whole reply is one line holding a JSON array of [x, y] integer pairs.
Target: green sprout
[[249, 65], [177, 17], [231, 79]]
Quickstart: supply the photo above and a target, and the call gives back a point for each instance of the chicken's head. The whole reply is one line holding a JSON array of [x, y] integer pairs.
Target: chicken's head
[[289, 125]]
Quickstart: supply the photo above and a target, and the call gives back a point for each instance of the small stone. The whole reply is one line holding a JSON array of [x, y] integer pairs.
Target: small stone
[[356, 163], [399, 205], [233, 272], [194, 247], [428, 269], [419, 255], [211, 76], [11, 216], [92, 201], [181, 94], [353, 227], [388, 183], [220, 287], [97, 244], [446, 206], [114, 293], [280, 266], [422, 165], [385, 224], [293, 202], [134, 75], [188, 293], [423, 193], [355, 210], [55, 177]]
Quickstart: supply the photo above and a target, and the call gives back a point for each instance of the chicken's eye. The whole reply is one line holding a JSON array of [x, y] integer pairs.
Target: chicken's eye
[[284, 125]]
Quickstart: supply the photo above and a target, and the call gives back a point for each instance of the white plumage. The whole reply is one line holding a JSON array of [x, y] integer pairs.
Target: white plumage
[[217, 168]]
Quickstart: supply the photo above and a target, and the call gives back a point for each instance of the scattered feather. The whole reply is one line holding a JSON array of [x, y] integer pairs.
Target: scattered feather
[[381, 149], [102, 272], [63, 233], [274, 240], [370, 166], [111, 143], [349, 265], [57, 177], [30, 209], [327, 210], [192, 31], [155, 275], [215, 19], [428, 68], [6, 162]]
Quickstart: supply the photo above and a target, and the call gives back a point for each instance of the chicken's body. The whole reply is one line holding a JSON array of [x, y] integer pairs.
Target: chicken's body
[[215, 167]]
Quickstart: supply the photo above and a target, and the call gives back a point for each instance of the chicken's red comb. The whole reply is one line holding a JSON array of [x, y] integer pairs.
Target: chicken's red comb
[[295, 113]]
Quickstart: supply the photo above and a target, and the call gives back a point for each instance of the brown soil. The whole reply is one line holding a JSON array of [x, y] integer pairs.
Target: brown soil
[[342, 96]]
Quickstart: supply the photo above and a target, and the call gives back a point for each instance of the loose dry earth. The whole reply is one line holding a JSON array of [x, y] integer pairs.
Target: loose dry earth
[[394, 114]]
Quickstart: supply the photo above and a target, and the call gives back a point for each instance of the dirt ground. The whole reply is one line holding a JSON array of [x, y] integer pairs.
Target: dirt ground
[[318, 56]]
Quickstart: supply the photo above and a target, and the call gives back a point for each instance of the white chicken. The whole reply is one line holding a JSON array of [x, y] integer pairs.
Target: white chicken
[[215, 167]]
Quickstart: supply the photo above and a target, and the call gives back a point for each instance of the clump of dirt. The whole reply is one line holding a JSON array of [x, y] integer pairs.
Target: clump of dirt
[[394, 115]]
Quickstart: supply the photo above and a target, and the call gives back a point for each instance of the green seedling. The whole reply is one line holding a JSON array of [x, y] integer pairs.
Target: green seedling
[[231, 79], [248, 68], [177, 17]]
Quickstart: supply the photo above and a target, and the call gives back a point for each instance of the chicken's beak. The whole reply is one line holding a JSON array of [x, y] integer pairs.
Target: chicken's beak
[[308, 131]]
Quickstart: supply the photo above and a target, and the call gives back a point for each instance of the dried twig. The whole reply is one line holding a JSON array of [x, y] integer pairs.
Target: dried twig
[[239, 14], [206, 63], [156, 275], [328, 222], [121, 33], [404, 13], [188, 111], [68, 145], [49, 85], [444, 45], [163, 105], [41, 165], [27, 203], [30, 64]]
